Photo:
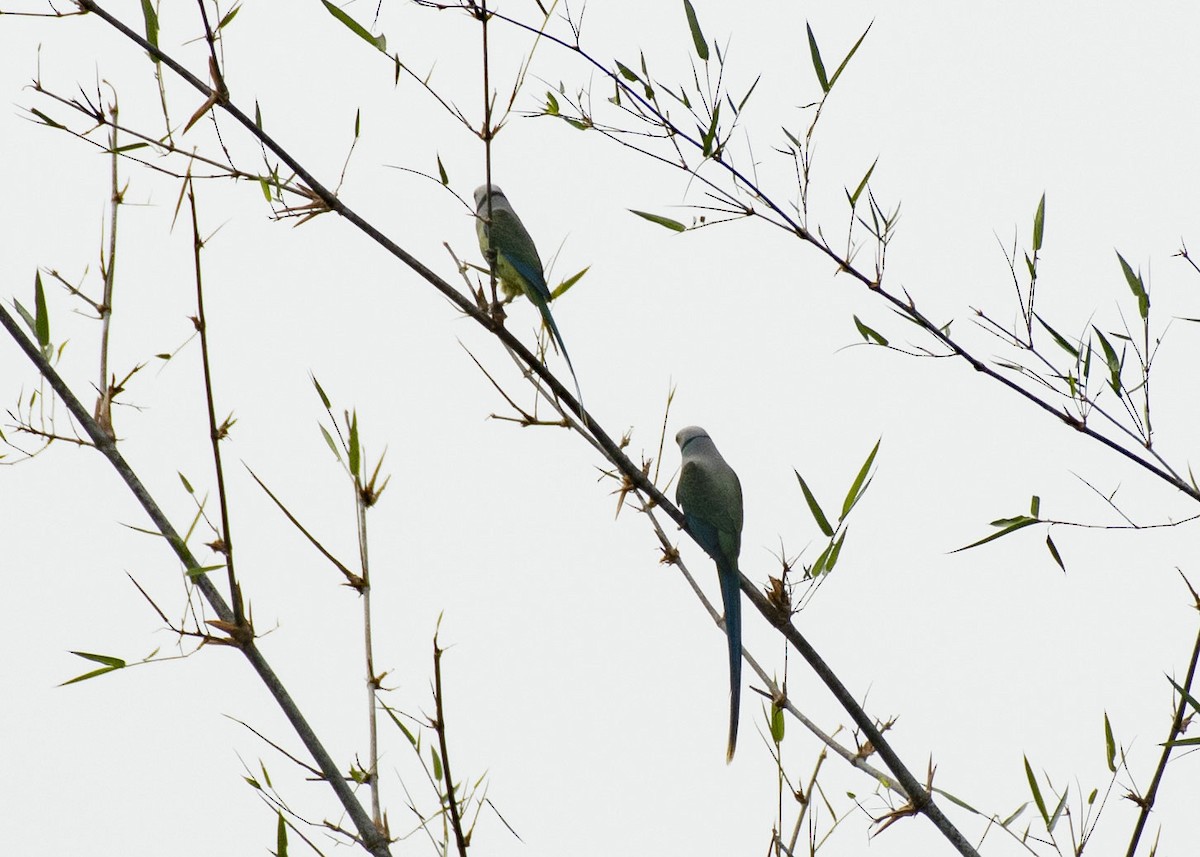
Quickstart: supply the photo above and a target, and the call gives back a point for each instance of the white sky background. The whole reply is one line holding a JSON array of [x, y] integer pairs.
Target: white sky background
[[582, 677]]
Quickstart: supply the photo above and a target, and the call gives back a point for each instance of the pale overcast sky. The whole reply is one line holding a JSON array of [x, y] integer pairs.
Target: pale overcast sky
[[582, 677]]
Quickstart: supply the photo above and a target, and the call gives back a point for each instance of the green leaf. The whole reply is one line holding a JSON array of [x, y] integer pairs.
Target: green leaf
[[187, 486], [109, 664], [1110, 745], [357, 123], [151, 18], [673, 225], [697, 36], [567, 283], [1035, 504], [378, 42], [857, 488], [442, 177], [1010, 525], [437, 763], [1191, 700], [329, 440], [41, 325], [1039, 224], [710, 135], [354, 449], [203, 569], [1137, 286], [814, 507], [868, 334], [1058, 810], [776, 723], [46, 119], [845, 61], [229, 16], [320, 391], [627, 73], [1057, 557], [835, 551], [1017, 812], [820, 566], [818, 66], [1114, 363], [862, 185], [551, 103], [1037, 793], [1062, 343], [281, 839]]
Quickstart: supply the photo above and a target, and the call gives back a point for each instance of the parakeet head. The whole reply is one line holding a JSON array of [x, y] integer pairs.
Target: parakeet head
[[481, 195], [688, 434]]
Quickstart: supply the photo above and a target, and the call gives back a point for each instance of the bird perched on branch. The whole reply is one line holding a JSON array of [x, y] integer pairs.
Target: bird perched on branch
[[517, 264], [711, 498]]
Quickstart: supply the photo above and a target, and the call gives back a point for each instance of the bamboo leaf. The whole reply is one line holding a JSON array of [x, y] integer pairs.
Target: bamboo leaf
[[862, 184], [694, 26], [150, 16], [1039, 224], [1037, 793], [846, 61], [673, 225], [1055, 555], [1114, 363], [1010, 525], [41, 315], [378, 42], [1137, 286], [567, 283], [868, 334], [818, 66], [1110, 745], [814, 507], [857, 488]]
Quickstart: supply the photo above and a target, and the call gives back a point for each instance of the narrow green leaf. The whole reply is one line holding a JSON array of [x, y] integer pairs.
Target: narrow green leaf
[[329, 440], [856, 487], [281, 839], [818, 66], [627, 73], [746, 97], [1110, 745], [1191, 700], [1039, 224], [813, 506], [1016, 813], [1062, 343], [868, 334], [86, 676], [567, 283], [357, 123], [1092, 796], [710, 135], [862, 185], [1031, 267], [1058, 810], [835, 551], [202, 570], [1054, 554], [120, 150], [846, 61], [1114, 363], [819, 566], [673, 225], [1011, 525], [776, 723], [150, 16], [1182, 742], [320, 391], [697, 36], [442, 176], [1137, 286], [229, 16], [1037, 793], [354, 449], [437, 763], [42, 315], [187, 486], [107, 660], [24, 313], [551, 103], [1035, 504], [378, 42]]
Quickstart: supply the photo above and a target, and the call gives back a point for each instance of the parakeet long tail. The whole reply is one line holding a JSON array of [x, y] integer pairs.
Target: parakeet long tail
[[731, 594], [544, 309]]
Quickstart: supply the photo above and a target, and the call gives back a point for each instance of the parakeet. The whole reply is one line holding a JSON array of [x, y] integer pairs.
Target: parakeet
[[518, 266], [711, 498]]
